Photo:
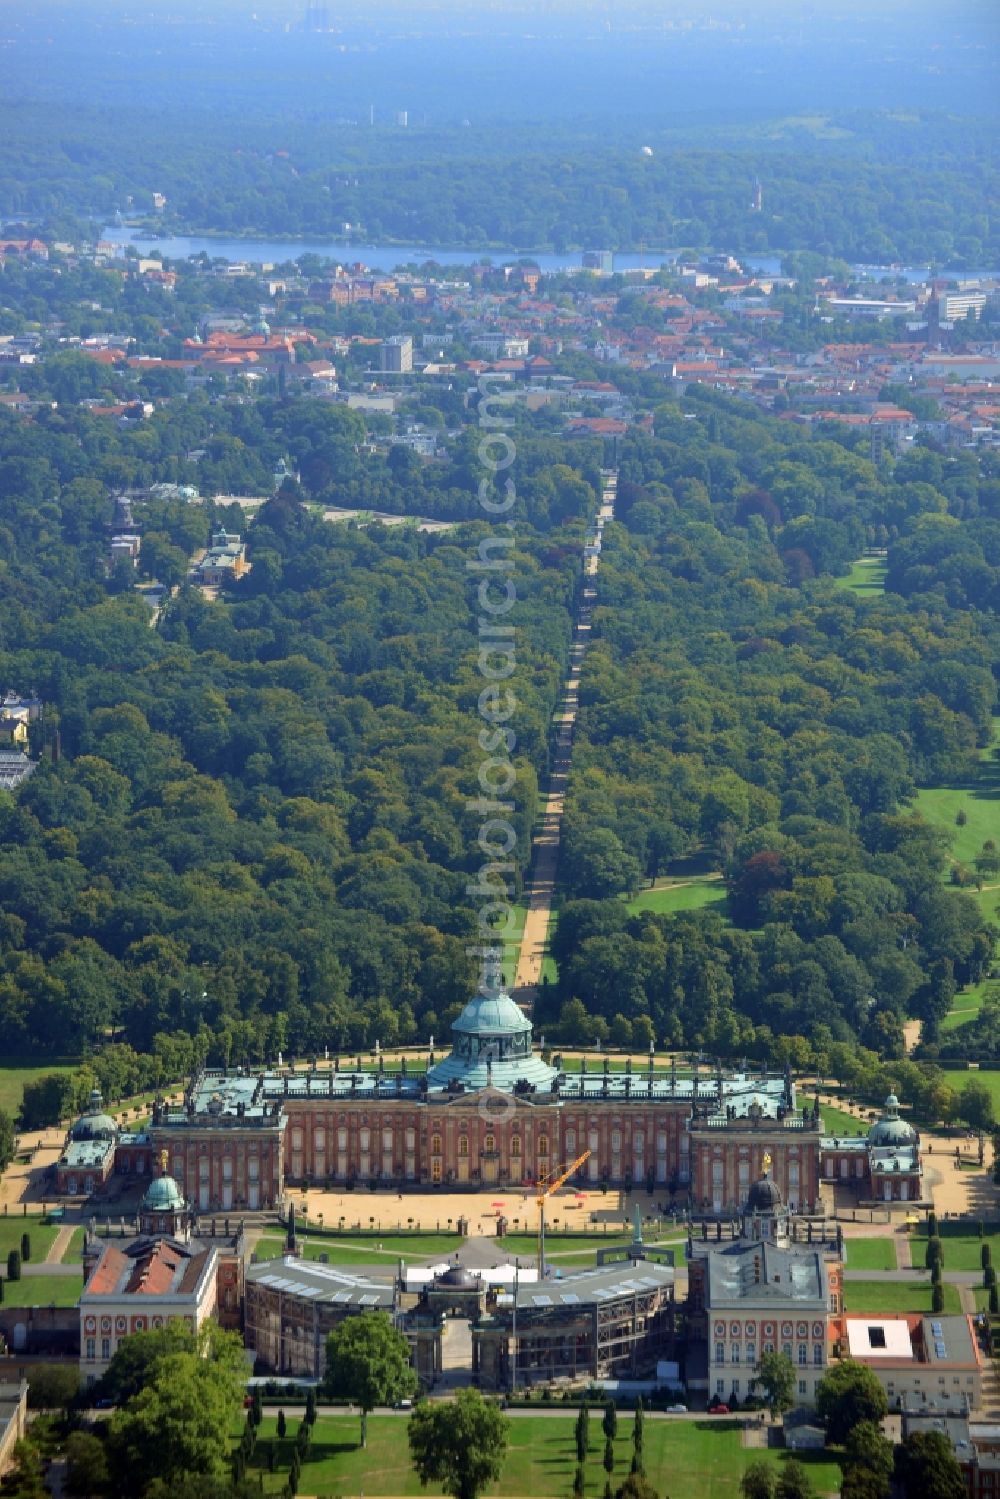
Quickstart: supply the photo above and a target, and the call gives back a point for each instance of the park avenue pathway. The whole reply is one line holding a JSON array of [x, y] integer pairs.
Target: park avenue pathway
[[545, 853]]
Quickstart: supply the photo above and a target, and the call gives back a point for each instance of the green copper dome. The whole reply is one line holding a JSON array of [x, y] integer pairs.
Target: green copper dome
[[890, 1129], [493, 1015], [95, 1124], [491, 1045], [163, 1195]]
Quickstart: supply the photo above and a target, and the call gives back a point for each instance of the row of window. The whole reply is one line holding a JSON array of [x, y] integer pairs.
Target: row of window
[[720, 1387], [751, 1352]]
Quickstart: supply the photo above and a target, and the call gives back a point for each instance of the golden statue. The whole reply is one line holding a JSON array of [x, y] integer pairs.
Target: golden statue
[[767, 1161], [164, 1162]]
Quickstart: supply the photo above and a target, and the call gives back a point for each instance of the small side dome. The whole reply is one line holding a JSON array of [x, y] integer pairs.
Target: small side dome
[[163, 1195], [890, 1130], [765, 1196], [458, 1278], [95, 1124]]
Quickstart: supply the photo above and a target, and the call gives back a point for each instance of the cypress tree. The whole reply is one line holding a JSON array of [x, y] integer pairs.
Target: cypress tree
[[582, 1433]]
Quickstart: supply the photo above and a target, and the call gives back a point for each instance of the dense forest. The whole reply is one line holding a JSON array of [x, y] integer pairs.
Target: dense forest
[[257, 836], [257, 829], [735, 703], [861, 186]]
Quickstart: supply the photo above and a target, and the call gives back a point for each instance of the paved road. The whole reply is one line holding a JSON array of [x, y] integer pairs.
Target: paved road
[[546, 846]]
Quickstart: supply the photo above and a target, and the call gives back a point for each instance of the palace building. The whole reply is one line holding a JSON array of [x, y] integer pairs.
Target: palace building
[[774, 1285], [492, 1112]]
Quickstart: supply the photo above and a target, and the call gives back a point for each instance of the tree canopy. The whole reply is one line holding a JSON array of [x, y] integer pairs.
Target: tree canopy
[[460, 1445], [368, 1361]]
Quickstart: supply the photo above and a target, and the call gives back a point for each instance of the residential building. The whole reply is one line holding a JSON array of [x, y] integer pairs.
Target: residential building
[[163, 1274], [224, 562], [602, 261], [292, 1304], [918, 1359], [882, 1166], [772, 1287], [396, 354], [13, 1421]]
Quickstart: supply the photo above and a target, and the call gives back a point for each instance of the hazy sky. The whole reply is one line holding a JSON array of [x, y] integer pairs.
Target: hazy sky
[[444, 60]]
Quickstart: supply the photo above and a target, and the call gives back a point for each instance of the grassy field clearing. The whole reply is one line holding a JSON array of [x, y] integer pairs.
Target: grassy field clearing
[[867, 576], [958, 1080], [979, 802], [692, 893], [13, 1080], [697, 1459]]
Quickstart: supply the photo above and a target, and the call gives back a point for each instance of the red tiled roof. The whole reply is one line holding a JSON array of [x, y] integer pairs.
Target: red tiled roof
[[110, 1269]]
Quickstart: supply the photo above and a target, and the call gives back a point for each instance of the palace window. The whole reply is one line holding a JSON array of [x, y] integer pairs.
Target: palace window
[[720, 1353], [489, 1143], [435, 1144], [515, 1145], [817, 1353], [91, 1349], [543, 1145], [734, 1353], [463, 1145], [802, 1353]]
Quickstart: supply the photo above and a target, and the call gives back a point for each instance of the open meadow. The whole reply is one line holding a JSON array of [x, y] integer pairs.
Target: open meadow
[[687, 1459]]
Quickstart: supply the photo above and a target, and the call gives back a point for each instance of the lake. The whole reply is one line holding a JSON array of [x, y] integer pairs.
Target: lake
[[389, 257]]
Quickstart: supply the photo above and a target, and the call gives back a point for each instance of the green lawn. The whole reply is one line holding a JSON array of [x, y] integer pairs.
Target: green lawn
[[991, 1080], [965, 1006], [355, 1250], [840, 1122], [942, 804], [12, 1082], [697, 1459], [42, 1236], [871, 1254], [961, 1251], [897, 1295], [867, 576], [43, 1290], [980, 804], [71, 1254], [558, 1243], [689, 894]]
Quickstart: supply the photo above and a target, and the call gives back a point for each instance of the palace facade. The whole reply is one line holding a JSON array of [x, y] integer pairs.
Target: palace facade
[[494, 1112]]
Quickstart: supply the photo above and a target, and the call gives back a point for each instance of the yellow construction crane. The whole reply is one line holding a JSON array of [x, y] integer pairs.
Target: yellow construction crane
[[548, 1184]]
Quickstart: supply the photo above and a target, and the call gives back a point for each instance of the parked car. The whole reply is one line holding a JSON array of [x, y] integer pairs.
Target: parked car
[[677, 1410], [718, 1410]]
